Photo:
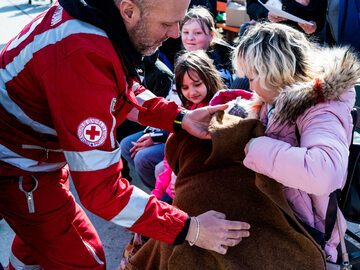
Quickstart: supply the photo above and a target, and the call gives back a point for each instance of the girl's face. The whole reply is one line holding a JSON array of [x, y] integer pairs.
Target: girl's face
[[193, 88], [194, 38], [266, 95]]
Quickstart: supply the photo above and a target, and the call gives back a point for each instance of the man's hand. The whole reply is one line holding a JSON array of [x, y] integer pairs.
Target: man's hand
[[307, 28], [303, 2], [216, 233], [196, 122], [143, 142], [275, 19]]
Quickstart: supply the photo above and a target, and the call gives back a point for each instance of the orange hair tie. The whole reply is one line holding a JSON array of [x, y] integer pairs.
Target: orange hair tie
[[318, 91], [255, 107]]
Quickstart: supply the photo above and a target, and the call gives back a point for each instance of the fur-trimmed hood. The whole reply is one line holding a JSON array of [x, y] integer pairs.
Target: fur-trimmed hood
[[339, 68]]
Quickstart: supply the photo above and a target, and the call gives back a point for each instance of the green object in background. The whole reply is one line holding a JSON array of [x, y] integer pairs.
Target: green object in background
[[221, 18]]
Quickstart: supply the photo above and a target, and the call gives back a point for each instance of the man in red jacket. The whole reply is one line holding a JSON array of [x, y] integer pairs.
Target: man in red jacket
[[66, 82]]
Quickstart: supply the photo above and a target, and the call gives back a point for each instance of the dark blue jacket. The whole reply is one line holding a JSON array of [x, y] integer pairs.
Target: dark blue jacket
[[349, 23]]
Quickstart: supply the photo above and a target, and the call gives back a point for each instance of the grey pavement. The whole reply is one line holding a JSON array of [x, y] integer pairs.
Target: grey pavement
[[15, 14]]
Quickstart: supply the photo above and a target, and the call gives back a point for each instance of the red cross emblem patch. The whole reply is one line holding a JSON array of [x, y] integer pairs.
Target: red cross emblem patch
[[92, 132]]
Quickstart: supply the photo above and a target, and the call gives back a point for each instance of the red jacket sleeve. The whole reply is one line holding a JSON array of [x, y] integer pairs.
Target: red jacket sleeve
[[160, 113]]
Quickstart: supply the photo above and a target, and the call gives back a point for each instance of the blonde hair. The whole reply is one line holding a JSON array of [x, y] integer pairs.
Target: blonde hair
[[199, 63], [206, 21], [276, 54]]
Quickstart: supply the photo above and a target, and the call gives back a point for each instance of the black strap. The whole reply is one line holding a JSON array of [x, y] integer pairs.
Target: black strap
[[331, 214], [354, 115]]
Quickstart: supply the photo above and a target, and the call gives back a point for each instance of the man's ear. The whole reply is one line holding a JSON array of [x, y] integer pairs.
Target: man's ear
[[130, 12]]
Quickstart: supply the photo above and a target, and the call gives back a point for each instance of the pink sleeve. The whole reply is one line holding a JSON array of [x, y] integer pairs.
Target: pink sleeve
[[319, 165], [162, 181]]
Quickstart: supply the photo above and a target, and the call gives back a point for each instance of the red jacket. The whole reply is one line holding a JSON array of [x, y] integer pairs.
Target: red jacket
[[63, 93]]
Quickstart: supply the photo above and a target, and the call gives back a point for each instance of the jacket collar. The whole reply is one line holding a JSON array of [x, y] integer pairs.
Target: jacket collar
[[105, 15]]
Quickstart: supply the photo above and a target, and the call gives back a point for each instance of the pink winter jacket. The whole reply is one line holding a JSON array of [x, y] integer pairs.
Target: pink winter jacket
[[311, 171], [162, 184]]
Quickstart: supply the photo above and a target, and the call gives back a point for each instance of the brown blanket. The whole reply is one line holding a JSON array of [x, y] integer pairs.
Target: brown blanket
[[211, 177]]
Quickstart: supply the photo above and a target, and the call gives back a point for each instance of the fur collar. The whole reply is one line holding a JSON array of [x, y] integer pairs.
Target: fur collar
[[339, 71]]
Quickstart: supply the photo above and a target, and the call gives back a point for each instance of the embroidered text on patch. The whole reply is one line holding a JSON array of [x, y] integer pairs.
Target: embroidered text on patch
[[57, 16], [92, 132]]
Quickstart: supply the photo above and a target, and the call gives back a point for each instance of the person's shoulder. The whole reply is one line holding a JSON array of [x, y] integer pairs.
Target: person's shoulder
[[72, 34], [331, 109], [223, 47], [220, 53], [95, 46]]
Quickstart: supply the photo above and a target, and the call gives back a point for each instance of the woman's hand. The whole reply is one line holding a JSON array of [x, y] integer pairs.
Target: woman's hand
[[216, 233], [143, 142], [307, 28], [196, 122], [273, 18]]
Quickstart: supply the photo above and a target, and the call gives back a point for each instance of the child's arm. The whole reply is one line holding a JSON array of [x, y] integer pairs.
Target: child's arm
[[319, 165], [162, 182]]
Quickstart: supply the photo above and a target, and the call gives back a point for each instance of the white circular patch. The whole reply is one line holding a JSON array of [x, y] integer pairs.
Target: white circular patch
[[92, 132]]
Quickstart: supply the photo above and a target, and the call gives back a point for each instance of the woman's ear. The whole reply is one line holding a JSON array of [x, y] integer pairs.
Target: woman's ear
[[130, 12], [212, 34]]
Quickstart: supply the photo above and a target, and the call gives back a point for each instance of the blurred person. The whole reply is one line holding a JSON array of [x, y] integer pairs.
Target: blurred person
[[310, 10], [343, 23]]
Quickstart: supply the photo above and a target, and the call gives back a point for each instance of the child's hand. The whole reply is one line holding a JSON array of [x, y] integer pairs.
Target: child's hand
[[143, 142]]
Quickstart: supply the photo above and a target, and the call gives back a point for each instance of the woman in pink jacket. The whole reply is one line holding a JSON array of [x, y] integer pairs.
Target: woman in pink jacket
[[308, 89]]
